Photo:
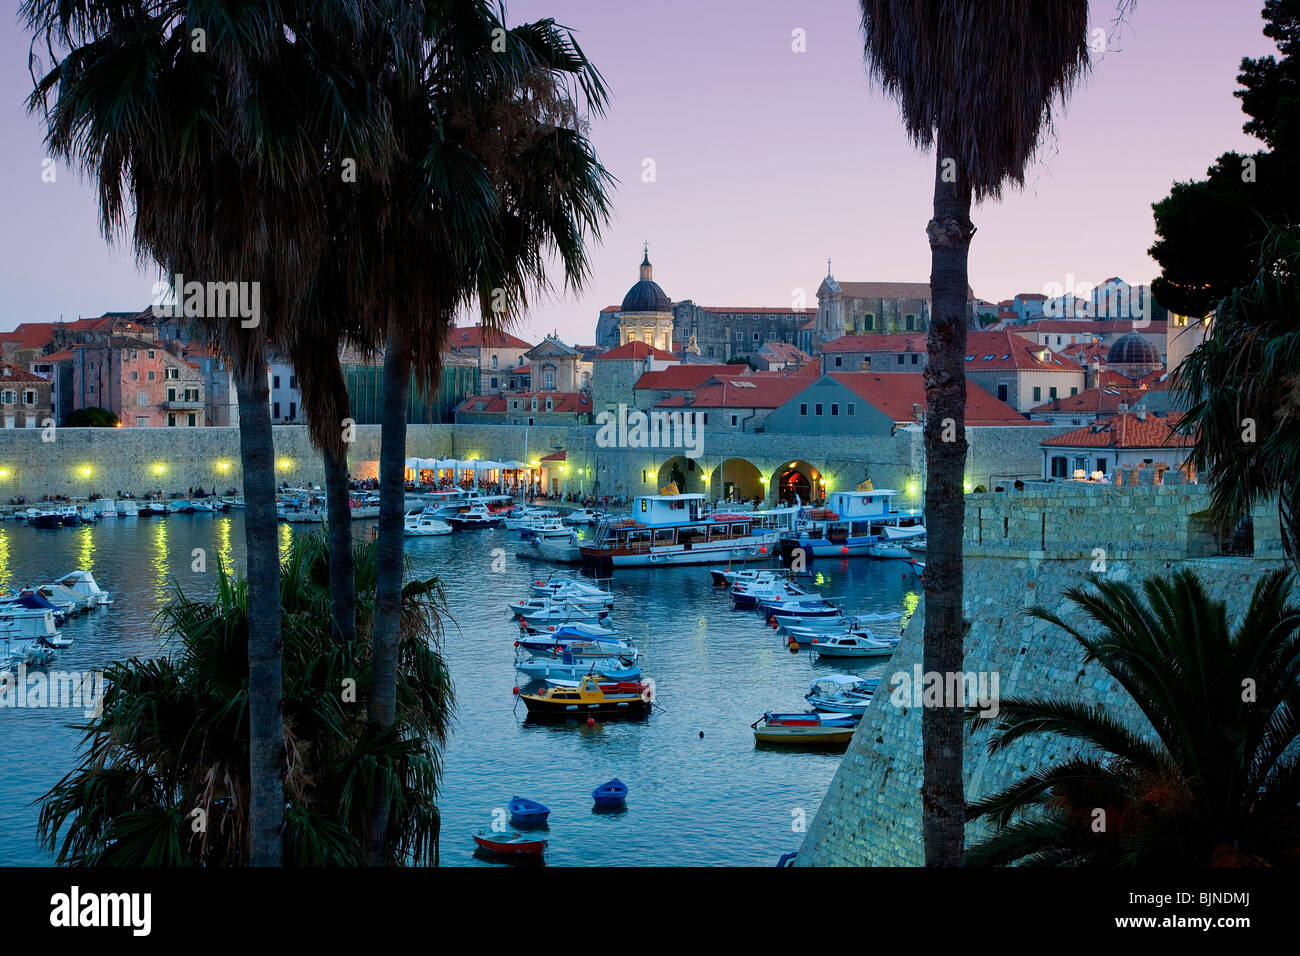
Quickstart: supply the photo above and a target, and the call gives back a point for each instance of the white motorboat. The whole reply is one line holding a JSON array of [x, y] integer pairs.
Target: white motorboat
[[84, 584], [585, 516], [421, 524], [25, 652], [567, 582], [566, 666], [586, 629], [126, 508], [28, 624], [547, 529], [889, 549], [475, 516], [527, 517], [842, 693], [556, 613], [855, 644], [64, 600], [529, 605], [850, 523], [575, 646], [800, 627]]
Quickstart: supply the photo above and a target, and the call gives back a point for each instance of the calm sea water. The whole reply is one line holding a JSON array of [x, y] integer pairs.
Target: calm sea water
[[694, 800]]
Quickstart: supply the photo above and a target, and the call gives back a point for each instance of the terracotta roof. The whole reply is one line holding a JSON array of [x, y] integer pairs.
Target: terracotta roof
[[987, 351], [634, 350], [473, 337], [1095, 400], [564, 402], [809, 325], [894, 394], [31, 335], [12, 373], [609, 308], [881, 342], [749, 391], [785, 352], [685, 377], [561, 455], [64, 355], [1123, 431], [1092, 326]]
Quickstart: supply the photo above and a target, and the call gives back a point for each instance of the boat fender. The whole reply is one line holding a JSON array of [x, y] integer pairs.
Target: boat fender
[[515, 691]]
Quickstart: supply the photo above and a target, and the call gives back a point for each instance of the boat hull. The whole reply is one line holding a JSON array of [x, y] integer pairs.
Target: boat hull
[[631, 708]]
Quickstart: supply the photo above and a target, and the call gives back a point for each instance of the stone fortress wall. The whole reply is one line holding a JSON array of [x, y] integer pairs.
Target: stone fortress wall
[[79, 461], [1022, 548]]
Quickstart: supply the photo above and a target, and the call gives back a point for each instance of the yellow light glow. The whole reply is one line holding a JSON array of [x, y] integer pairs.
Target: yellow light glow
[[969, 487], [4, 472], [85, 471], [911, 487], [284, 464], [159, 469], [223, 465]]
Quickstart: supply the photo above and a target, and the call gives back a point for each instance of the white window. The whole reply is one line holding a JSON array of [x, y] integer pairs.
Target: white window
[[142, 398], [9, 398], [29, 397]]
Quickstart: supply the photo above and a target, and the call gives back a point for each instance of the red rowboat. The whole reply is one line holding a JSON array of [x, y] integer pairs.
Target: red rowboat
[[512, 845]]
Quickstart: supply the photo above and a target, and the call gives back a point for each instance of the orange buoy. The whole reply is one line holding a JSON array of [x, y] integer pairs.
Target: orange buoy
[[591, 721]]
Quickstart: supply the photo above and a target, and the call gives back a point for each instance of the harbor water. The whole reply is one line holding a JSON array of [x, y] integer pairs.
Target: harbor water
[[701, 793]]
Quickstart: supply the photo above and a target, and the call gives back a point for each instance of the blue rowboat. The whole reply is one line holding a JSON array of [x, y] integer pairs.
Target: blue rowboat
[[611, 794], [528, 813]]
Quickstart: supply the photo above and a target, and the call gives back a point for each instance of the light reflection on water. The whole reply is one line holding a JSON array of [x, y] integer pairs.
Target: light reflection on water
[[694, 800]]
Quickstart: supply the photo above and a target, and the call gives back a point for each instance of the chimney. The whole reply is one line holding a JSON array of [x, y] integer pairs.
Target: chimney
[[1092, 375], [1141, 412], [1122, 408]]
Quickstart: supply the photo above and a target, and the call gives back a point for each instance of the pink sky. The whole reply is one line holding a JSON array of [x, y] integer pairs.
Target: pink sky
[[768, 162]]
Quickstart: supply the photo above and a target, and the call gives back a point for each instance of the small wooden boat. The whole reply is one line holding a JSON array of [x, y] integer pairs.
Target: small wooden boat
[[895, 532], [842, 693], [587, 700], [528, 813], [812, 729], [514, 844], [610, 794]]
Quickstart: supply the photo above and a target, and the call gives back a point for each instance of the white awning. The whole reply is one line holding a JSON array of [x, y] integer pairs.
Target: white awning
[[486, 465]]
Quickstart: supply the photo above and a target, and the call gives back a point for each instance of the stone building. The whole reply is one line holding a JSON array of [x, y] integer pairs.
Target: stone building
[[646, 313], [891, 352], [615, 373], [721, 333], [556, 367], [495, 353], [140, 382], [861, 308], [24, 398], [1134, 437], [1018, 372]]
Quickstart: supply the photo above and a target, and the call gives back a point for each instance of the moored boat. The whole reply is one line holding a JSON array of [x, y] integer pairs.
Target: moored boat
[[813, 729], [842, 693], [513, 844], [850, 523], [586, 700], [528, 813], [611, 794], [855, 644]]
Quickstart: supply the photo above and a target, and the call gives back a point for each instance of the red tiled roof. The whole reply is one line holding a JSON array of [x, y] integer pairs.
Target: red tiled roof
[[634, 350], [881, 342], [611, 308], [767, 391], [1123, 431], [473, 337], [684, 377], [64, 355], [986, 351], [560, 402], [1092, 326], [785, 352], [1099, 400], [12, 373], [561, 455], [894, 394], [31, 335]]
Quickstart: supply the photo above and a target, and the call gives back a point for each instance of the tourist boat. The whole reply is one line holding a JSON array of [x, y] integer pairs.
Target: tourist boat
[[514, 844], [842, 693], [568, 667], [586, 700], [420, 524], [84, 584], [610, 794], [475, 516], [855, 644], [667, 530], [528, 813], [583, 516], [850, 523], [813, 729]]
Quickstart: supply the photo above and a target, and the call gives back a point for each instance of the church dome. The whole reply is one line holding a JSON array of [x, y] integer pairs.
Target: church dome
[[1133, 349], [646, 296]]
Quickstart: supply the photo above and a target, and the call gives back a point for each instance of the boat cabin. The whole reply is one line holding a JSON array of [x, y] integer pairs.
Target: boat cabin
[[850, 505], [658, 510]]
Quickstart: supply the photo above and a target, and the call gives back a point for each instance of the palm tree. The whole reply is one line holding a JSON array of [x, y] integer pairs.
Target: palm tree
[[1241, 392], [163, 776], [978, 81], [202, 157], [500, 174], [1212, 779]]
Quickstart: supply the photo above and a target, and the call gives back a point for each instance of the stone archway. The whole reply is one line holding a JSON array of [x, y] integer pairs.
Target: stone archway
[[686, 472], [798, 480], [737, 479]]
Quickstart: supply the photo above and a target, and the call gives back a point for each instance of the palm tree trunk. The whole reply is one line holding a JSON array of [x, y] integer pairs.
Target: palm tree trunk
[[943, 803], [390, 562], [338, 513], [265, 685]]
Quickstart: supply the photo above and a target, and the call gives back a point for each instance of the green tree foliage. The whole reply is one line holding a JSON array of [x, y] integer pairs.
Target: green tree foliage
[[92, 417]]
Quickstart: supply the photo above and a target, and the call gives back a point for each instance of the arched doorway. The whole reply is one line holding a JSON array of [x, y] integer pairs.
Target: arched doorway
[[798, 481], [685, 472], [737, 479]]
